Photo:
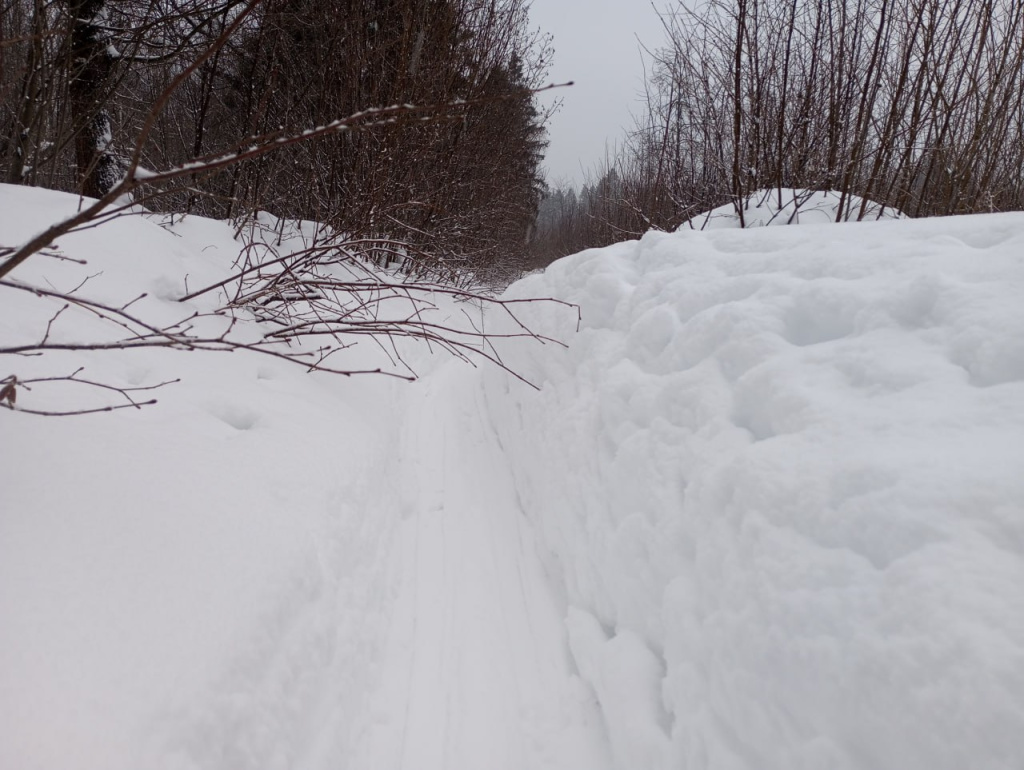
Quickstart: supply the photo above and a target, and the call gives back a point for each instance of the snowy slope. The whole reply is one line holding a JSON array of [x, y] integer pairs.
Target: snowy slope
[[781, 473], [177, 583], [766, 511], [268, 569]]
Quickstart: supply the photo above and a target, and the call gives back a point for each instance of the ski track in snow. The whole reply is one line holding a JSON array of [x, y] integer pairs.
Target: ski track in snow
[[424, 636], [477, 671]]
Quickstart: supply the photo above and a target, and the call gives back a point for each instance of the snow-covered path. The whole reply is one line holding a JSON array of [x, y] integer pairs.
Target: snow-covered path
[[270, 570], [476, 669], [765, 513]]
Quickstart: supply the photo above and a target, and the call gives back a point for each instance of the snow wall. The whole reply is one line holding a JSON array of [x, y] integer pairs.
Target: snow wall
[[780, 475]]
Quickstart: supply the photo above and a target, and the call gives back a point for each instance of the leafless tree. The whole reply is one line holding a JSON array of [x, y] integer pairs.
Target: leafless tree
[[392, 185], [916, 105]]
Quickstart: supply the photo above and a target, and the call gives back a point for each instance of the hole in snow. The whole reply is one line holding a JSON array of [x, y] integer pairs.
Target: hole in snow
[[238, 417]]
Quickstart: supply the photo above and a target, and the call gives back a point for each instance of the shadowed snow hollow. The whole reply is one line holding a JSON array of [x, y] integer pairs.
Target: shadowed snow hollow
[[781, 475]]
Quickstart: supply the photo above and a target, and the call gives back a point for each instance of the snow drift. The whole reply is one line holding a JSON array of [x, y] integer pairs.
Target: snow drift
[[778, 206], [780, 473]]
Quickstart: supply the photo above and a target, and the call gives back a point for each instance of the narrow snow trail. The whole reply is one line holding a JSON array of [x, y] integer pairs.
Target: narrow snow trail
[[476, 671]]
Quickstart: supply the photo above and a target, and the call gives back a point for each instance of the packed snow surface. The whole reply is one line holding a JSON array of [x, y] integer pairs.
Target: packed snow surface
[[765, 512]]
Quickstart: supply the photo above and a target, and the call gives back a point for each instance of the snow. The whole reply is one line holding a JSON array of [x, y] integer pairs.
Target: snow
[[780, 474], [170, 572], [786, 206], [479, 674], [228, 579], [766, 510]]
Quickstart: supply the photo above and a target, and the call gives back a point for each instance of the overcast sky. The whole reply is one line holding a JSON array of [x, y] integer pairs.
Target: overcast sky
[[597, 45]]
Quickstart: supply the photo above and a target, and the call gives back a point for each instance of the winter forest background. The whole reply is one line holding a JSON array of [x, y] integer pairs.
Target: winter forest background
[[82, 81], [917, 105]]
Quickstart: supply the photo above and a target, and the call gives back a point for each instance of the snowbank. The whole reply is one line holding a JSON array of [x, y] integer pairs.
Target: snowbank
[[786, 206], [780, 474], [177, 583]]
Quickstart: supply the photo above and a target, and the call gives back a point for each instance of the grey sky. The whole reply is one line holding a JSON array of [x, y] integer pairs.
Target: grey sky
[[597, 45]]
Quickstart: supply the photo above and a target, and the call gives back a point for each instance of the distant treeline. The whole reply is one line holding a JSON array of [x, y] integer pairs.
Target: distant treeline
[[918, 105], [82, 80]]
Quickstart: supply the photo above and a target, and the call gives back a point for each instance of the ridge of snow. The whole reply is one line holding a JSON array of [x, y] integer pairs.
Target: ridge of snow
[[780, 473]]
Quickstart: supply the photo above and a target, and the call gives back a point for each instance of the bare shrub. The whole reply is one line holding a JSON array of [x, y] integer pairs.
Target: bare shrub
[[916, 105]]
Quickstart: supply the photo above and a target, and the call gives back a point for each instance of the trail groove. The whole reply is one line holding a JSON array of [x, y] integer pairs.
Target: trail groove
[[477, 671]]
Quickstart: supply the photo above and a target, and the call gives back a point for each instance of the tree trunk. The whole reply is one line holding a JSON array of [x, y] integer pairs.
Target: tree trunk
[[29, 99], [92, 62]]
